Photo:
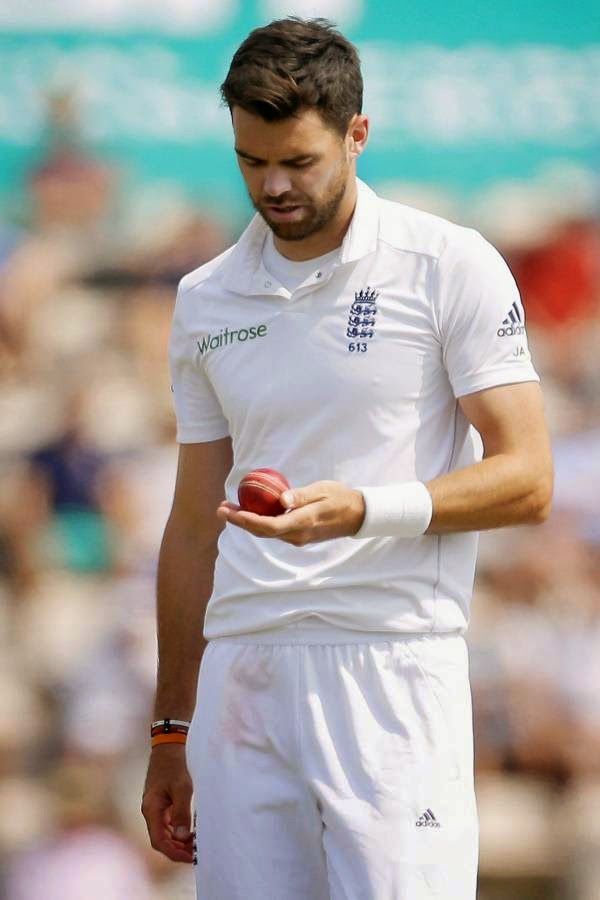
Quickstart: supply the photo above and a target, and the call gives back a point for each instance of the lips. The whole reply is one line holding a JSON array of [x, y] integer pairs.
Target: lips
[[284, 212]]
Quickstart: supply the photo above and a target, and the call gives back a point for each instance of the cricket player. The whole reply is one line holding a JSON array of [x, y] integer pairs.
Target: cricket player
[[312, 736]]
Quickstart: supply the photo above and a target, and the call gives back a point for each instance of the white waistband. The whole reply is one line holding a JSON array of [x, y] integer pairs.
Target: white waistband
[[314, 630]]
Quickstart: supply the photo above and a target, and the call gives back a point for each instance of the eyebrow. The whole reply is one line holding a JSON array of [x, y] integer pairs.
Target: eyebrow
[[291, 159]]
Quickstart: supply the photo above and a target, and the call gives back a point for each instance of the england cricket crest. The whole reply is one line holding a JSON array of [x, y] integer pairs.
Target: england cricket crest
[[362, 319]]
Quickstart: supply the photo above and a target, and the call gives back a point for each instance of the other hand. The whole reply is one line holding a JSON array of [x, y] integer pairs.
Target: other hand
[[166, 804]]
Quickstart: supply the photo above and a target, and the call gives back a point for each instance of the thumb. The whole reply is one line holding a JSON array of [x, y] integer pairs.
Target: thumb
[[181, 817], [292, 499], [288, 499]]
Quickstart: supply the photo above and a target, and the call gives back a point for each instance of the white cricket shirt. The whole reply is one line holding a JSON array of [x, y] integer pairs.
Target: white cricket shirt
[[352, 377], [292, 273]]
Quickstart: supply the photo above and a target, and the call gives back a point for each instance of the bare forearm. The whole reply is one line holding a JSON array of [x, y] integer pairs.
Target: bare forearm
[[504, 489], [184, 585]]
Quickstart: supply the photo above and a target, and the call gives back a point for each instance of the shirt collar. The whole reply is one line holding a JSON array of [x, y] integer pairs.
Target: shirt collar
[[246, 273], [361, 238]]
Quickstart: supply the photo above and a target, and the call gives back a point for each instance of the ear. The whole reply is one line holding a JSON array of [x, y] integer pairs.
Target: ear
[[357, 135]]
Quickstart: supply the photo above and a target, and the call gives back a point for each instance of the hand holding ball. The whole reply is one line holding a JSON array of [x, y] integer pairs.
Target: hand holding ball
[[259, 492]]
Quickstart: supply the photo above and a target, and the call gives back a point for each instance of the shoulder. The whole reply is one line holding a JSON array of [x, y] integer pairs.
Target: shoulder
[[412, 230], [192, 290], [210, 272]]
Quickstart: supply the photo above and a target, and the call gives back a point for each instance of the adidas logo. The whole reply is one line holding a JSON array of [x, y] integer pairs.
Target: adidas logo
[[427, 820], [513, 323]]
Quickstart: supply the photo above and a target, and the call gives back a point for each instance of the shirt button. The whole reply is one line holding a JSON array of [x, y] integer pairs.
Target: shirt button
[[267, 284], [318, 274]]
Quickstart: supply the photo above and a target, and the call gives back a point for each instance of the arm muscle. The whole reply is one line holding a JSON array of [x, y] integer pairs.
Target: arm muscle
[[185, 573], [512, 485]]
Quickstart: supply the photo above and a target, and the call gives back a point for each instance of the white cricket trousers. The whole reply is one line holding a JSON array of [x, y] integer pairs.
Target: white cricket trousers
[[334, 765]]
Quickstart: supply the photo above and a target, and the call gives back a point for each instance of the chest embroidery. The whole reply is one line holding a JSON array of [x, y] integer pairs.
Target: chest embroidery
[[362, 320]]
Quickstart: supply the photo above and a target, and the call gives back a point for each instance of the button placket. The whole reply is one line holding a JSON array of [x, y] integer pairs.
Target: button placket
[[318, 280]]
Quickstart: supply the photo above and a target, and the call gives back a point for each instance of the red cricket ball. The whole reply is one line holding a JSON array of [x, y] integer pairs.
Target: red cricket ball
[[259, 492]]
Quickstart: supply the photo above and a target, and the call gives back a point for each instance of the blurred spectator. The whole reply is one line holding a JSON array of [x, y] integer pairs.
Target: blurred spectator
[[69, 191], [86, 855], [87, 469], [71, 479], [560, 278], [106, 701]]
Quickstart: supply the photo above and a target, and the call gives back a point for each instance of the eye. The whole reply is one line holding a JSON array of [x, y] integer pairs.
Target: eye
[[302, 163]]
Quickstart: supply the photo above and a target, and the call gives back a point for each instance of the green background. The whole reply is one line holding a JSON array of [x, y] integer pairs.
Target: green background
[[521, 83]]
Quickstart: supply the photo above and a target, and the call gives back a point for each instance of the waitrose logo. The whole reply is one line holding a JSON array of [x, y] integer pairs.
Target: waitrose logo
[[227, 336]]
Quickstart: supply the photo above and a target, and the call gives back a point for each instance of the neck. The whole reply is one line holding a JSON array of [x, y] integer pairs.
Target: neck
[[328, 238]]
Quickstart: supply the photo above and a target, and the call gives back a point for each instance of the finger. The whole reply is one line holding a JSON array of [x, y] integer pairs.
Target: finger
[[224, 508], [297, 527], [157, 812], [261, 526], [288, 500], [184, 848], [302, 496], [284, 527], [179, 851], [179, 815]]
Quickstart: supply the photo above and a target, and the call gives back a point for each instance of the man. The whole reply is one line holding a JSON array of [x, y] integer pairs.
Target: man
[[357, 346]]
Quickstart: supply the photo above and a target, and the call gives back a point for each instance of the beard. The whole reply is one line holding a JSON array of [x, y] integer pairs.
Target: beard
[[316, 214]]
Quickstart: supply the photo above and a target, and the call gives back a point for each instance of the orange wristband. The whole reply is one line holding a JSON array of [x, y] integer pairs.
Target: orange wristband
[[173, 738]]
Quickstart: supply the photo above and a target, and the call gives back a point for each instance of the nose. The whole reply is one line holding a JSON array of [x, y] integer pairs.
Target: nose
[[277, 182]]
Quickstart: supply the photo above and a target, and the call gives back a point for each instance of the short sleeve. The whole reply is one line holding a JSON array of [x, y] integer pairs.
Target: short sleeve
[[197, 409], [481, 317]]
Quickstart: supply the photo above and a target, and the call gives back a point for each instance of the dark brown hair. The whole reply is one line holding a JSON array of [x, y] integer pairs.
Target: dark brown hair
[[294, 63]]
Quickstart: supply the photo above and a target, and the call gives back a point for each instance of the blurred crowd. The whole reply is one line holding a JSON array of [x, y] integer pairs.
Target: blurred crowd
[[87, 465]]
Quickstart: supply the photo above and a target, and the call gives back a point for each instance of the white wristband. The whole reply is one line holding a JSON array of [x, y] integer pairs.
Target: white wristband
[[396, 510]]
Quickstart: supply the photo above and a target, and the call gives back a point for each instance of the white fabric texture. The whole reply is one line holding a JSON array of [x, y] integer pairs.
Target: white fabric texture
[[397, 510], [353, 377], [292, 273], [334, 771]]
